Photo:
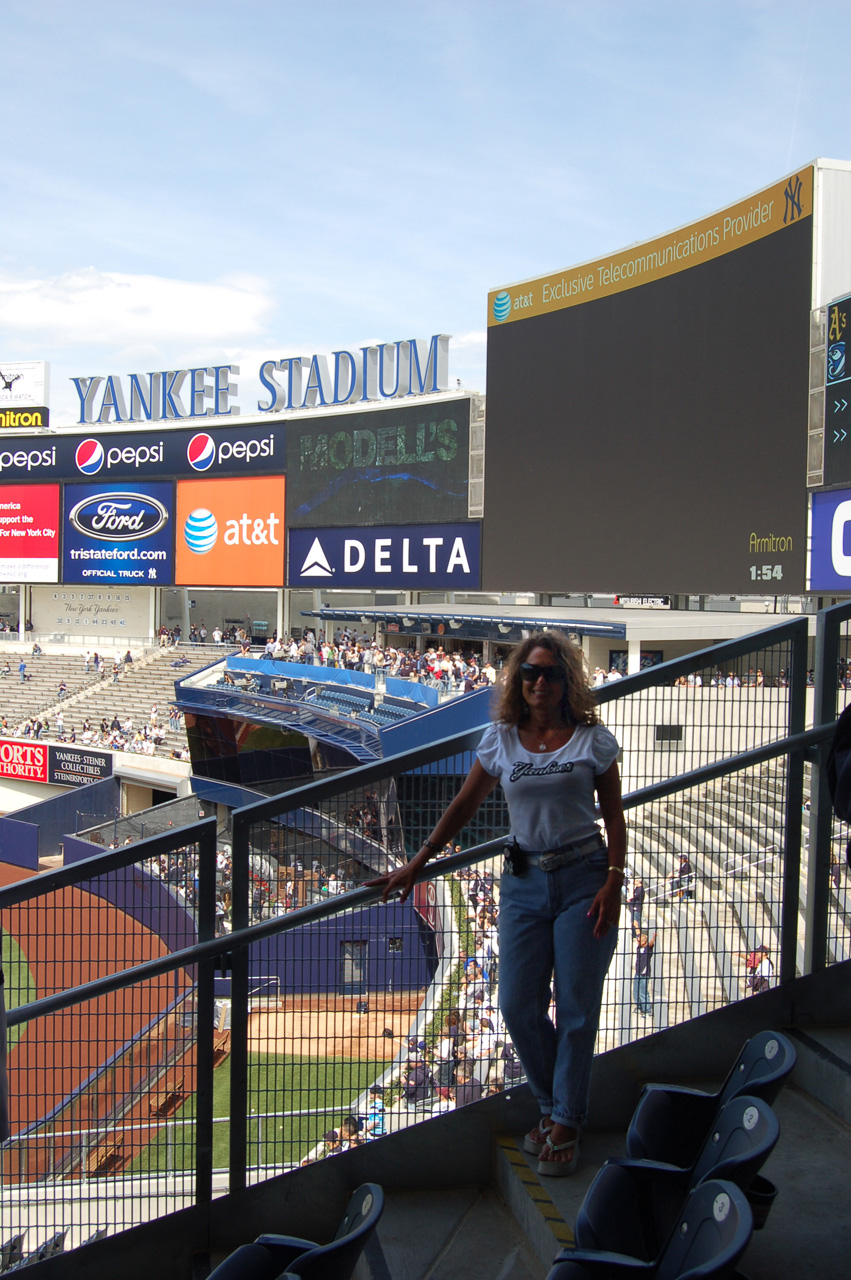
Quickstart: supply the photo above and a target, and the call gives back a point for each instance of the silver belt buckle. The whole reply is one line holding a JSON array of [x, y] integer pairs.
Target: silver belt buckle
[[549, 861]]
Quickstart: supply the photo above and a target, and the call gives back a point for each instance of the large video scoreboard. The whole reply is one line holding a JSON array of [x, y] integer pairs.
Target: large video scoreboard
[[647, 412]]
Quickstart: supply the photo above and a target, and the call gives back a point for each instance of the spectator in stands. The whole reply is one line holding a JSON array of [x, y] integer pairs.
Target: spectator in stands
[[641, 982], [635, 902], [87, 661], [22, 670], [37, 649], [467, 1088], [7, 670], [551, 754], [116, 671], [374, 1125], [350, 1135], [63, 689], [128, 659]]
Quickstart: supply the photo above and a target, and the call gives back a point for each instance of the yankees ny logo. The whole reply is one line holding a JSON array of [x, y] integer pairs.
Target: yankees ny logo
[[792, 195]]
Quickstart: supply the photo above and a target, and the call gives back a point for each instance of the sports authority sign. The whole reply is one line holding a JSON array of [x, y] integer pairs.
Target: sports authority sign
[[45, 762], [26, 761]]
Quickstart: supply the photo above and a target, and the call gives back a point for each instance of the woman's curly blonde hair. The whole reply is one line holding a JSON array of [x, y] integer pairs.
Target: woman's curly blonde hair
[[578, 702]]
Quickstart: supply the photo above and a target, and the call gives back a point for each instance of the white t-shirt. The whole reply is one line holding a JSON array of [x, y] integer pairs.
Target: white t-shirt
[[550, 794]]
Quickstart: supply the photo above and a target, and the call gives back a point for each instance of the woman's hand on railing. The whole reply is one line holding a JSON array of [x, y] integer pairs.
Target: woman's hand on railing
[[400, 881]]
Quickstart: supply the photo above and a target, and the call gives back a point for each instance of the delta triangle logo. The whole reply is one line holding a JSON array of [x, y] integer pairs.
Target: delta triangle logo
[[316, 562]]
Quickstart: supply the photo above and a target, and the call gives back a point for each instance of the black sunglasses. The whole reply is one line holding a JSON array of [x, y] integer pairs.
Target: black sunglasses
[[529, 672]]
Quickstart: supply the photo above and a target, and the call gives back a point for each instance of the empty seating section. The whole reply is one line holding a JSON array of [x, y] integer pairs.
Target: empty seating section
[[711, 1234], [272, 1256], [94, 695], [672, 1208]]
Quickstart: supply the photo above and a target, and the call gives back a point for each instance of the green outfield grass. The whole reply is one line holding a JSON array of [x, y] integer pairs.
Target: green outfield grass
[[277, 1083], [20, 988]]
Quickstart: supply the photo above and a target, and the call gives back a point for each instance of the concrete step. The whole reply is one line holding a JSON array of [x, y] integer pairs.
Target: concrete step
[[823, 1068], [441, 1235], [810, 1167]]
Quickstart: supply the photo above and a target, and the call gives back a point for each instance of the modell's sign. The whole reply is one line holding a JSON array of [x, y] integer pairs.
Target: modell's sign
[[23, 760], [388, 371]]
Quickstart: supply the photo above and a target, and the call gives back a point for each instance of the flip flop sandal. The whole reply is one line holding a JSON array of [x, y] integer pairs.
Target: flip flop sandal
[[560, 1168], [534, 1146]]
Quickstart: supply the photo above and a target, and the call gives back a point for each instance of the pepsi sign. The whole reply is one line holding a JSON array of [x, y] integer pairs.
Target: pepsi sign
[[118, 536], [221, 451], [409, 557]]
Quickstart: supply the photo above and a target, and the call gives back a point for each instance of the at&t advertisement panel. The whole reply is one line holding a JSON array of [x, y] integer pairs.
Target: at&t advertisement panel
[[230, 533], [414, 557], [119, 534]]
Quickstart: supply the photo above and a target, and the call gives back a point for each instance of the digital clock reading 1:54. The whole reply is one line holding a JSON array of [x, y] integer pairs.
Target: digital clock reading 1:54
[[765, 572]]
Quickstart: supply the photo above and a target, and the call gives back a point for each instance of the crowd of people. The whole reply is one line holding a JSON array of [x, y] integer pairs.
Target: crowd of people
[[464, 1055]]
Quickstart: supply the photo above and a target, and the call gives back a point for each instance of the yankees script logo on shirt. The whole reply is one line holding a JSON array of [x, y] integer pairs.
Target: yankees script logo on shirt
[[521, 769]]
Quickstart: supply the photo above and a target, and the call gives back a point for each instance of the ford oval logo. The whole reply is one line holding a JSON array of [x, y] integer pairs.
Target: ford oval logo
[[119, 517]]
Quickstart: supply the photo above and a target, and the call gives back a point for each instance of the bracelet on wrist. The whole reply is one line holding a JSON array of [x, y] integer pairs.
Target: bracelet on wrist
[[619, 870], [431, 846]]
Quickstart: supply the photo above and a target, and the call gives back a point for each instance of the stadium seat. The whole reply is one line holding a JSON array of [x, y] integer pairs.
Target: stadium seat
[[632, 1206], [707, 1242], [11, 1252], [670, 1123], [272, 1256]]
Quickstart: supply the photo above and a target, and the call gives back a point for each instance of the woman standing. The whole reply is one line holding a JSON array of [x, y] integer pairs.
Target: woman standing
[[561, 887]]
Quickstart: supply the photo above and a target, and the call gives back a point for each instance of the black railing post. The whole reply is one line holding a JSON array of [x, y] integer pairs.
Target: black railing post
[[204, 1017], [794, 803], [821, 810], [240, 896]]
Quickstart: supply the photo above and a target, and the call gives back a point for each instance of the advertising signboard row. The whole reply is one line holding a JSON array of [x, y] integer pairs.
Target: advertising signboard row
[[214, 533], [72, 766]]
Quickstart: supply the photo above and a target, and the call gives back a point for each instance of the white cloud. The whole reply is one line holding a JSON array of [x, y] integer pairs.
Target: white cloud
[[87, 307]]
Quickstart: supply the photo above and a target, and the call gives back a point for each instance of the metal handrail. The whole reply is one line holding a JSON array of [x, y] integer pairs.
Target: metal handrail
[[244, 938]]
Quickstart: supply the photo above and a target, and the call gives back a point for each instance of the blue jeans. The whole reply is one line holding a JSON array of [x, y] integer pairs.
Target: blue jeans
[[545, 932], [641, 994]]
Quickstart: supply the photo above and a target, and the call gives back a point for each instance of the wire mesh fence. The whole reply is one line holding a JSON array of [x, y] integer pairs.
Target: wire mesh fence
[[333, 1020]]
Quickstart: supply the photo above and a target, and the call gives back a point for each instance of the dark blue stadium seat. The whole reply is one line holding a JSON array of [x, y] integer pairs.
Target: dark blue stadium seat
[[632, 1206], [670, 1123], [272, 1256], [707, 1242]]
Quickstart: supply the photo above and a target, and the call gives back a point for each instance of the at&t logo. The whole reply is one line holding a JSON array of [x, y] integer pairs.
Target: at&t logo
[[502, 305], [201, 531]]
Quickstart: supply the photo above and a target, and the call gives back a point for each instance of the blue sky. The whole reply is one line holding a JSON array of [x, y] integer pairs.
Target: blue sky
[[198, 183]]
